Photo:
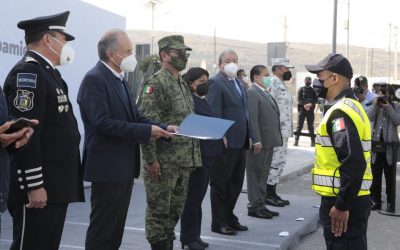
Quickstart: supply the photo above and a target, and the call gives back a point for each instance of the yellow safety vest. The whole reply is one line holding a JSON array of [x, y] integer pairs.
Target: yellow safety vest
[[325, 174]]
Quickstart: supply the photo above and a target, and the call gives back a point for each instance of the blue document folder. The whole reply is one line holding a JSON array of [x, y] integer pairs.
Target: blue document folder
[[204, 127]]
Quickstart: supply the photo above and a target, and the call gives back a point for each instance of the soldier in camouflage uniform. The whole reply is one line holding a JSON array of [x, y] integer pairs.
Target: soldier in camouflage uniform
[[283, 98], [166, 97]]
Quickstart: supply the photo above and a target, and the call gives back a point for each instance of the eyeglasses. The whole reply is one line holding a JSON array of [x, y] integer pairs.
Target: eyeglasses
[[180, 52]]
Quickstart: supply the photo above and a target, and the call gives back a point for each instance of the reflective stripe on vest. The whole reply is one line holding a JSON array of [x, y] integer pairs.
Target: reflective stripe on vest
[[326, 176], [327, 181], [325, 141]]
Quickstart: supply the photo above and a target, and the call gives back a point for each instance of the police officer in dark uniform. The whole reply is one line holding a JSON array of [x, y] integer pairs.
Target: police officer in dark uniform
[[306, 100], [342, 172], [46, 176]]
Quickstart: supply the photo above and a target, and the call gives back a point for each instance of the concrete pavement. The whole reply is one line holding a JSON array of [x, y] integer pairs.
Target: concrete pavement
[[383, 233]]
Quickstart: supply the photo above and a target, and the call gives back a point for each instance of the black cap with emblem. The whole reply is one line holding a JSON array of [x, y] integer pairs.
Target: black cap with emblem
[[47, 23]]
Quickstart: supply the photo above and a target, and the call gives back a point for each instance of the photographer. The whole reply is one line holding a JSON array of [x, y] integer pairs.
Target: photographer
[[385, 116]]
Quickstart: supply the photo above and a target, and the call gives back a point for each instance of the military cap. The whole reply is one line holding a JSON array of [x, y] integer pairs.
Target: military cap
[[44, 23], [281, 62], [172, 42]]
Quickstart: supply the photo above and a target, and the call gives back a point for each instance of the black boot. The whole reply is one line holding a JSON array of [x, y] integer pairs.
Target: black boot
[[278, 198], [160, 245], [296, 141], [270, 198]]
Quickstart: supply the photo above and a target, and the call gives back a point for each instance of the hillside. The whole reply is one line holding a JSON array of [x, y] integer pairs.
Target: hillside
[[256, 53]]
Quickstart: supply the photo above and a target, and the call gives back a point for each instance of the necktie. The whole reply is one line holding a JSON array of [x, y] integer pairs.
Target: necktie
[[237, 87], [123, 92]]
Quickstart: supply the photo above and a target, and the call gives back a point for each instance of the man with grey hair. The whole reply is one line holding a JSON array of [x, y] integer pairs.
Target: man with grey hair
[[113, 130], [228, 99]]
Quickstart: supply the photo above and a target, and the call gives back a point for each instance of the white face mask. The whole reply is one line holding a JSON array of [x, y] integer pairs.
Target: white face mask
[[230, 69], [67, 55], [128, 64]]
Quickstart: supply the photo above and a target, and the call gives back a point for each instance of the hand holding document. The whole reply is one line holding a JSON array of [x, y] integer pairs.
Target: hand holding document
[[203, 127]]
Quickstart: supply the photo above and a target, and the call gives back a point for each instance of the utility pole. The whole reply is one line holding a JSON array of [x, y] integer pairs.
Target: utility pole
[[348, 30], [395, 53], [215, 49], [390, 48], [285, 27], [366, 61], [152, 4], [335, 3]]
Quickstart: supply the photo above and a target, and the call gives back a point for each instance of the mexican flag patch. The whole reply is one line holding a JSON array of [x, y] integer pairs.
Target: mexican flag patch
[[148, 89], [338, 125]]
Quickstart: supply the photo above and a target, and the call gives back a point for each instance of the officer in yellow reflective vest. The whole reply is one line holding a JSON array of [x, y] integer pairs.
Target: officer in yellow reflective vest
[[342, 171]]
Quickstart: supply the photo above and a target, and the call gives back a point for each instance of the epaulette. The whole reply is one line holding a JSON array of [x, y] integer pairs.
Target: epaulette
[[153, 76], [29, 59]]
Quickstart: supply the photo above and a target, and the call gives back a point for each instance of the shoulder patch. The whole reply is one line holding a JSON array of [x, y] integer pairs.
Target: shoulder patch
[[24, 100], [338, 125], [30, 59], [26, 80], [149, 89]]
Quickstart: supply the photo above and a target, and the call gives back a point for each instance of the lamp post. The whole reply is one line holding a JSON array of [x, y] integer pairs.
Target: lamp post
[[335, 3]]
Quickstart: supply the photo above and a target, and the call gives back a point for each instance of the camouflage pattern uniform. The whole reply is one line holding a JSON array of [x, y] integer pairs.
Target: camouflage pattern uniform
[[283, 98], [168, 99]]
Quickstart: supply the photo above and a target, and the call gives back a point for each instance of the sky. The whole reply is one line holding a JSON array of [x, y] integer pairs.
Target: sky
[[263, 21]]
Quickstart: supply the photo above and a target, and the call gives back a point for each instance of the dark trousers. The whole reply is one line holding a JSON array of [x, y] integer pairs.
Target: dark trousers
[[110, 203], [35, 229], [257, 171], [381, 165], [302, 114], [226, 181], [356, 236], [192, 213]]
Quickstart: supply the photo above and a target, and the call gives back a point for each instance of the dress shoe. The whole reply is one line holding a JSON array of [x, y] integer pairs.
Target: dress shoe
[[204, 244], [278, 198], [376, 206], [270, 200], [273, 213], [195, 245], [224, 230], [259, 214], [239, 227]]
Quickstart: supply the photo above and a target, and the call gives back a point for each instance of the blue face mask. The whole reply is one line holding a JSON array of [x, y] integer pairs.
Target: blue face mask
[[267, 81]]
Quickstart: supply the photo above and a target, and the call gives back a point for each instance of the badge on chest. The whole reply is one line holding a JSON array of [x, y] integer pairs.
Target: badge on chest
[[62, 100]]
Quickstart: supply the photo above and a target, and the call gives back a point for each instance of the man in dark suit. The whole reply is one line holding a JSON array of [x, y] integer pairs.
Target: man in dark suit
[[113, 130], [46, 175], [264, 116], [228, 100]]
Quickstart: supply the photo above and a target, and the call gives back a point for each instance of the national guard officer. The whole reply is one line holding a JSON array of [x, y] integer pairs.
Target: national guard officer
[[342, 171], [280, 92], [306, 100], [46, 176], [166, 97]]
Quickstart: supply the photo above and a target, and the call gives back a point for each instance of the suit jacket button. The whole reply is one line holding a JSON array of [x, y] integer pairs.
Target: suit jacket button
[[20, 179], [19, 171], [22, 187]]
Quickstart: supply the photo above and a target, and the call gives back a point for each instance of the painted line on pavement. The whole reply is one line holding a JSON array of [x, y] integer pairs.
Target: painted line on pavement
[[61, 245], [203, 237]]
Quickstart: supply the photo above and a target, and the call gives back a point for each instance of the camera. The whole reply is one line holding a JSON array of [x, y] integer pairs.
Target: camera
[[382, 99]]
